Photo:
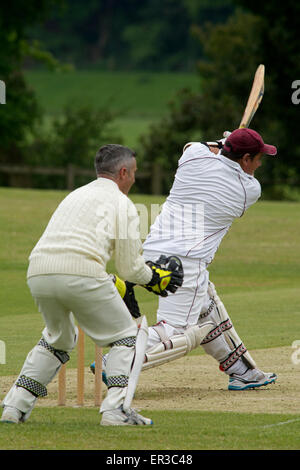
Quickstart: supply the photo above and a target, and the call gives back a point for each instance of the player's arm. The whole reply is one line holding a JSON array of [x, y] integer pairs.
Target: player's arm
[[164, 275], [214, 146], [129, 261], [217, 145], [167, 277], [214, 149]]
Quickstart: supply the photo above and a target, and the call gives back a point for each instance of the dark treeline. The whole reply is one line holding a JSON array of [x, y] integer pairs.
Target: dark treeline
[[223, 41], [129, 34]]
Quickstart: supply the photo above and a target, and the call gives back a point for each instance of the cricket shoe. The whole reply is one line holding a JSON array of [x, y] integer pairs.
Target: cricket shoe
[[11, 415], [252, 378], [104, 378], [120, 417]]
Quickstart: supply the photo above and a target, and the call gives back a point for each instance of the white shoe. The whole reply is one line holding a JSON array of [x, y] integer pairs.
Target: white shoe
[[119, 417], [252, 378], [11, 415]]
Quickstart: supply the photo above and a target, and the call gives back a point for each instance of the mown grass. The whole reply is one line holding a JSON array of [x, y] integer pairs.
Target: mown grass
[[256, 272], [79, 429], [141, 98], [136, 93]]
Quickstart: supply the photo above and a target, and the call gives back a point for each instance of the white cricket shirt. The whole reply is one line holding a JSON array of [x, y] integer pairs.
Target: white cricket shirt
[[208, 193]]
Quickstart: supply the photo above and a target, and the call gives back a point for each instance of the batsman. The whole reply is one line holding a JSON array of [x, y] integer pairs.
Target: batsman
[[214, 185]]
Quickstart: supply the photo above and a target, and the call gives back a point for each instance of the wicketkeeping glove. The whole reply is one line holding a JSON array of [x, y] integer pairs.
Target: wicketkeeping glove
[[126, 291], [167, 275]]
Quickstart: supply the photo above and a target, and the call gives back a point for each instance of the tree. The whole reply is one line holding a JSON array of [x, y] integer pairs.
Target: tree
[[148, 35], [279, 38], [232, 51], [73, 139], [21, 111], [224, 77]]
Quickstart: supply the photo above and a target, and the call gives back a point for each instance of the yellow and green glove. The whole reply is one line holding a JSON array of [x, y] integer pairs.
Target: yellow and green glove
[[167, 275]]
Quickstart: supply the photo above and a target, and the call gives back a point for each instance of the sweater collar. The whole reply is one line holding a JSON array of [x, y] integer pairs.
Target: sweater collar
[[107, 182]]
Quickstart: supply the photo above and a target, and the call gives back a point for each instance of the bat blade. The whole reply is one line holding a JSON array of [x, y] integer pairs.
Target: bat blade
[[255, 97]]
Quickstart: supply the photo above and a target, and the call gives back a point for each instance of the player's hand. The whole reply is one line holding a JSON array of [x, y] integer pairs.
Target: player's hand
[[218, 144], [167, 275], [126, 291], [226, 134]]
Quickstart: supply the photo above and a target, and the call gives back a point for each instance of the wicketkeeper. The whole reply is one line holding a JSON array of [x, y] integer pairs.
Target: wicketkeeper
[[67, 278]]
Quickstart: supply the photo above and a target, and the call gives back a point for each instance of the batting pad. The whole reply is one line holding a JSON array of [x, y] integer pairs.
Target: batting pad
[[176, 346], [232, 338]]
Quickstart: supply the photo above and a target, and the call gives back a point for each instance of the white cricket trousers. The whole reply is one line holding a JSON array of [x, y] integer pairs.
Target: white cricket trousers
[[102, 315], [181, 310]]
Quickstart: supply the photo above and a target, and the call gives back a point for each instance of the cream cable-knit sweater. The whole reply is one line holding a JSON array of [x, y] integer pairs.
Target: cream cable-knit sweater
[[90, 225]]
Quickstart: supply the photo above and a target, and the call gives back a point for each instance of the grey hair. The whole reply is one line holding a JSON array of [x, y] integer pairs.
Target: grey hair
[[112, 157]]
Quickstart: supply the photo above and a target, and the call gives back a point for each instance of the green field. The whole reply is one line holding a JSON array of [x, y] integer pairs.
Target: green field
[[257, 274], [141, 98]]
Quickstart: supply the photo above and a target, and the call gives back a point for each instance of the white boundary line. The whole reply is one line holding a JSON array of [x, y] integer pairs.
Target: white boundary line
[[281, 423]]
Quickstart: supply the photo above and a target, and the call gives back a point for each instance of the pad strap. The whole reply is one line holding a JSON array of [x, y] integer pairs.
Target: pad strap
[[62, 356], [37, 389], [129, 342], [160, 330], [217, 331], [209, 310], [120, 381], [233, 357]]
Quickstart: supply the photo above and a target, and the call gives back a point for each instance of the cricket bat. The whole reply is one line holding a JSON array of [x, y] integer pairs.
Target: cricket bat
[[255, 97], [140, 349]]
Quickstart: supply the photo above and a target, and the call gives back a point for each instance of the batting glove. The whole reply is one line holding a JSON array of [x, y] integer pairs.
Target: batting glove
[[221, 142]]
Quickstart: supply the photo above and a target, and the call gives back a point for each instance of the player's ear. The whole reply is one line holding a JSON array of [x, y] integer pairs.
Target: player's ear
[[246, 157], [122, 172], [244, 161]]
